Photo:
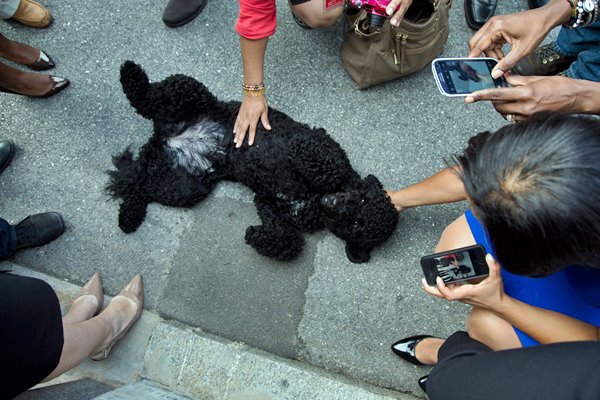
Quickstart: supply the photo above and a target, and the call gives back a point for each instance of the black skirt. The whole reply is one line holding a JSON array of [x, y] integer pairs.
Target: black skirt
[[31, 333]]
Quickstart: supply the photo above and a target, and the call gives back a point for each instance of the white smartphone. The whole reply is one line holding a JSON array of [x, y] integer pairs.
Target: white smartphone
[[463, 76]]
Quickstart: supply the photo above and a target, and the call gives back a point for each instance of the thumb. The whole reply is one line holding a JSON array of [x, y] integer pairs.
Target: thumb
[[506, 64], [264, 118], [493, 266]]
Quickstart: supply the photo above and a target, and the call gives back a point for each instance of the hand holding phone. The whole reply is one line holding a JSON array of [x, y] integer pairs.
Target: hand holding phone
[[455, 265], [487, 294], [463, 76]]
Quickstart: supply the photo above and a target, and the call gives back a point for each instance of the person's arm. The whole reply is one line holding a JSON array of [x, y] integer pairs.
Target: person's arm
[[256, 22], [253, 108], [543, 325], [443, 187], [523, 31], [530, 94]]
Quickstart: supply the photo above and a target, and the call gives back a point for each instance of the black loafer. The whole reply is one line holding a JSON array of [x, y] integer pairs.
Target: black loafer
[[180, 12], [405, 348], [39, 229], [423, 382], [7, 149], [478, 12]]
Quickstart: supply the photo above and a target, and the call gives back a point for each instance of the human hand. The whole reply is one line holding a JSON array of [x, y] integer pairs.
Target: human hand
[[487, 294], [531, 94], [252, 109], [397, 15], [523, 31]]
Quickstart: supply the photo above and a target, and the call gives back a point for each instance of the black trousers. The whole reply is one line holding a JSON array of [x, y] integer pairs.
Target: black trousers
[[467, 369], [8, 239]]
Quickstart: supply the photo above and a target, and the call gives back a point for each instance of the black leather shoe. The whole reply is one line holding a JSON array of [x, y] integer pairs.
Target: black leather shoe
[[39, 229], [405, 348], [478, 12], [7, 149], [536, 3], [423, 382], [547, 60], [43, 63], [58, 85], [180, 12]]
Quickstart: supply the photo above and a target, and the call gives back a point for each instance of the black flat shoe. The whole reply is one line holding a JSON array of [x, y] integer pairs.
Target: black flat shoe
[[58, 85], [43, 63], [7, 149], [405, 348], [423, 382]]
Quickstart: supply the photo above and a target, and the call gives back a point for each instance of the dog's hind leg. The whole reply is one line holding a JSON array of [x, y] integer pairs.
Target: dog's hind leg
[[175, 99], [132, 213]]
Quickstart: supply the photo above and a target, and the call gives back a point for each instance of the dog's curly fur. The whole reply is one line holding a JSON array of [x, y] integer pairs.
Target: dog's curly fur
[[301, 177]]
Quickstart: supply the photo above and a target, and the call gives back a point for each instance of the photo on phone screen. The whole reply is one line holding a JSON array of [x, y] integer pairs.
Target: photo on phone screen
[[463, 76], [455, 265]]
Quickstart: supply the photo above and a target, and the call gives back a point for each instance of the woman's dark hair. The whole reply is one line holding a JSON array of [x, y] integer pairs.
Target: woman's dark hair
[[535, 187]]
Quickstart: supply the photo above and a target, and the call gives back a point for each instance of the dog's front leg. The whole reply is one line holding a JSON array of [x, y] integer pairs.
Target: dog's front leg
[[277, 237]]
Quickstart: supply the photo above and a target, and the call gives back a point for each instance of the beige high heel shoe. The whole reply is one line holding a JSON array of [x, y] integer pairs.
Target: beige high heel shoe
[[134, 292], [93, 287]]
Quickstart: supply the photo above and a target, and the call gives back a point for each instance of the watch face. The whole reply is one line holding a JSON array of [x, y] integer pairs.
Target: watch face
[[588, 5]]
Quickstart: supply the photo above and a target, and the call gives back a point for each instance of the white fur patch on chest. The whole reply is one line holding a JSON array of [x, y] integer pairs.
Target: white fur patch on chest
[[194, 148]]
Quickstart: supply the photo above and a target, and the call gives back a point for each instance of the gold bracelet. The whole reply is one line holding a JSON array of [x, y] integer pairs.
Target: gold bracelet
[[254, 90]]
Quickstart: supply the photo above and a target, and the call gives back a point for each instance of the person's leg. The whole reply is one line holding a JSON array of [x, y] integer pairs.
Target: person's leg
[[95, 337], [24, 54], [456, 235], [585, 44], [469, 370], [493, 331], [314, 13], [8, 8], [27, 83], [8, 239]]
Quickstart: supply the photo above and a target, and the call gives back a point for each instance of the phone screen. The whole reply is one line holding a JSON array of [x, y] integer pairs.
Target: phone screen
[[463, 76], [456, 265]]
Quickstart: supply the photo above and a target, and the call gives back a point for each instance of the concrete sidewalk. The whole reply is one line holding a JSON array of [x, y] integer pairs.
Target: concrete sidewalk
[[203, 366]]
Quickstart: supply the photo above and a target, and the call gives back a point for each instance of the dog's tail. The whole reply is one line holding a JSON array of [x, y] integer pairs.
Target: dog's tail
[[124, 183], [177, 98]]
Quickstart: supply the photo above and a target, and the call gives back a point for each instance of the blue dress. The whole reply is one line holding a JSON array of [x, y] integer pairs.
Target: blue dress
[[573, 291]]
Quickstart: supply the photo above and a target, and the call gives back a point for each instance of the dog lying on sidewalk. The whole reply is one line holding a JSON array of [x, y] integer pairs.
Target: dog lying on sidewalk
[[301, 177]]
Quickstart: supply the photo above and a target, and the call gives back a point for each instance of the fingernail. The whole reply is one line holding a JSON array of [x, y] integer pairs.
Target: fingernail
[[390, 10], [395, 22], [497, 73], [469, 99]]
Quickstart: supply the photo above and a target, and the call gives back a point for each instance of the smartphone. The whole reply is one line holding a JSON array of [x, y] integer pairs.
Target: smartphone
[[463, 76], [455, 265]]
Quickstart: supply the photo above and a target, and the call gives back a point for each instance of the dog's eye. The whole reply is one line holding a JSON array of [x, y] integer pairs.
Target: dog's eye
[[356, 224], [362, 201]]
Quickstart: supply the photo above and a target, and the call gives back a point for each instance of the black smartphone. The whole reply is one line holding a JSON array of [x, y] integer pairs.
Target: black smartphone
[[455, 265], [463, 76]]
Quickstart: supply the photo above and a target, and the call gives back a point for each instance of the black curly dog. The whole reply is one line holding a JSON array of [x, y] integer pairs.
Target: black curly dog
[[302, 178]]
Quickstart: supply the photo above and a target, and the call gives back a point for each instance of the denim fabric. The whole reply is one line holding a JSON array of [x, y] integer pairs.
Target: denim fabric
[[8, 8], [8, 239], [585, 44]]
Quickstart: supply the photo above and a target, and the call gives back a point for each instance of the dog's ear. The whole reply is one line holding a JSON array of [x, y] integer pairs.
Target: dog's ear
[[357, 254], [370, 181]]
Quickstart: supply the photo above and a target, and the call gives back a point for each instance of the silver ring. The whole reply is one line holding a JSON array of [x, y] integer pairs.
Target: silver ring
[[510, 118]]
